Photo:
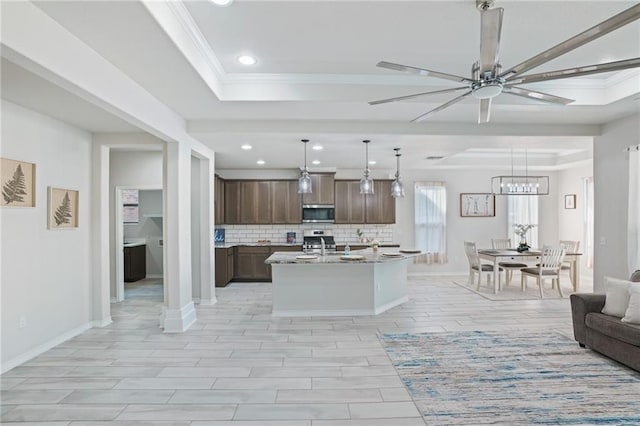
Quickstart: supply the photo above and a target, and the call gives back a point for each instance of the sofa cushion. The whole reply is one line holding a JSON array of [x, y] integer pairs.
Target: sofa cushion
[[617, 299], [633, 310], [614, 327]]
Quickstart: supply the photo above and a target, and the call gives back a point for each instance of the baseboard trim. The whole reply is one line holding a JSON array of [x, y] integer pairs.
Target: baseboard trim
[[40, 349], [102, 323], [179, 320], [208, 302]]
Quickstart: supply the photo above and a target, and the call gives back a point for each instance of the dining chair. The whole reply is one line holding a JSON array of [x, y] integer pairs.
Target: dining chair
[[570, 247], [476, 265], [509, 267], [549, 267]]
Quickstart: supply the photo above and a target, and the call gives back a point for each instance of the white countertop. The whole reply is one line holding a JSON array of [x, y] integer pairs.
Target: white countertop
[[368, 256]]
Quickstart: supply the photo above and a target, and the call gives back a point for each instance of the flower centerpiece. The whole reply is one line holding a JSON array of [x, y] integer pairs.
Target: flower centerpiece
[[521, 230], [374, 245]]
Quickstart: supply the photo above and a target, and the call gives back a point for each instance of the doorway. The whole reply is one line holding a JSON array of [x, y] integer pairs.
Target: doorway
[[139, 243]]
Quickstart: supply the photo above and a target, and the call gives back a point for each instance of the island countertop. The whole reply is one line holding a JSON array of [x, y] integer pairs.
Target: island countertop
[[369, 256]]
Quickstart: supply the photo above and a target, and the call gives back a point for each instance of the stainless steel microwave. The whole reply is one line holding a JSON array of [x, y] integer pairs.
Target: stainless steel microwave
[[318, 213]]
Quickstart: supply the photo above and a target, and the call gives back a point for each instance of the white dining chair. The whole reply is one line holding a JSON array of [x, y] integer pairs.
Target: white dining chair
[[476, 266], [509, 267], [549, 267], [570, 246]]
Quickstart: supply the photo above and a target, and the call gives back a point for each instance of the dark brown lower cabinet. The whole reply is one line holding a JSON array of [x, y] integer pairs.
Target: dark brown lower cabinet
[[246, 263], [224, 265], [249, 264], [135, 263]]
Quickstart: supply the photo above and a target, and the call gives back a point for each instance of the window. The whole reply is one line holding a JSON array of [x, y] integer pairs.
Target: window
[[431, 222], [523, 209]]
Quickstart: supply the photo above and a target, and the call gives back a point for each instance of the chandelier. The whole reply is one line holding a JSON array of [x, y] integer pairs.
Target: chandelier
[[520, 184]]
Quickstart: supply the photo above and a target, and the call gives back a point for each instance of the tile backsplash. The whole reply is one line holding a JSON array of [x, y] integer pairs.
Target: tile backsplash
[[277, 234]]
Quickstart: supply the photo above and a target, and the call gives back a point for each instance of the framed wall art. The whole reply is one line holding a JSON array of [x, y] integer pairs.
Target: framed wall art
[[477, 205], [62, 208], [570, 201], [18, 183]]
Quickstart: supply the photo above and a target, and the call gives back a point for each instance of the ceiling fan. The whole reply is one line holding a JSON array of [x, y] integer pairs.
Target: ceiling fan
[[488, 80]]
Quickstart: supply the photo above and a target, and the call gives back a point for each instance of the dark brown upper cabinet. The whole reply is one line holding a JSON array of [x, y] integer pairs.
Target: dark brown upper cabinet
[[353, 207], [322, 185]]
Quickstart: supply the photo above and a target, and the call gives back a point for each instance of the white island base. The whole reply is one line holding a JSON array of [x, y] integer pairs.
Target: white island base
[[338, 289]]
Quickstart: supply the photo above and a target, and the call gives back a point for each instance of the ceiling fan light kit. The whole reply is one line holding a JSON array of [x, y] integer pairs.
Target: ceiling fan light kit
[[487, 78]]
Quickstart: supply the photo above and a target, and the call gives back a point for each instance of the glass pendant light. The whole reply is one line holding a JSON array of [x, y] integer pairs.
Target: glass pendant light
[[397, 190], [304, 183], [366, 183]]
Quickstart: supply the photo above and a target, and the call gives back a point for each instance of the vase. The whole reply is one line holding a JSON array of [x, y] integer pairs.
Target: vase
[[375, 249], [523, 246]]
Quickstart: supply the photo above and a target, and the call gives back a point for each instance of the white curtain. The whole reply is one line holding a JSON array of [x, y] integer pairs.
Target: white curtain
[[431, 222], [633, 227], [523, 209], [588, 221]]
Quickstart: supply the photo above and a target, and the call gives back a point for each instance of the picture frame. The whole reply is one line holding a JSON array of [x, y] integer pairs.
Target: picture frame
[[477, 205], [570, 201], [17, 183], [62, 208]]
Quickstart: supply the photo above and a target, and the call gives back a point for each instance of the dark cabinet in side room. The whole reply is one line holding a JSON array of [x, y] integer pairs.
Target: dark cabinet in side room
[[232, 202], [135, 263]]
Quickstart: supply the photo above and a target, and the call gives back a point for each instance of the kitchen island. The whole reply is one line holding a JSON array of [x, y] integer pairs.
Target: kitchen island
[[332, 286]]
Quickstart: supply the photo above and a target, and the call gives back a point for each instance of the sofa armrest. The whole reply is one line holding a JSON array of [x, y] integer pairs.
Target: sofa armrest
[[581, 305]]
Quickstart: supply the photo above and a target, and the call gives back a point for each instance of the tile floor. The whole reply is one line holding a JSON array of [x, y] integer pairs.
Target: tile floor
[[239, 366]]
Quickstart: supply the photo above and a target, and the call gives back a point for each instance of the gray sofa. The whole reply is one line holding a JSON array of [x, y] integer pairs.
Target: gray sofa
[[604, 333]]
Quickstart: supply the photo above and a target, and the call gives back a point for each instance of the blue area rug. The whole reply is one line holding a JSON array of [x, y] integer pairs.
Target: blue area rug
[[477, 378]]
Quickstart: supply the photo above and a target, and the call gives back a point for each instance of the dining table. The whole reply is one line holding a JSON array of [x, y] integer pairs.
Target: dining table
[[532, 256]]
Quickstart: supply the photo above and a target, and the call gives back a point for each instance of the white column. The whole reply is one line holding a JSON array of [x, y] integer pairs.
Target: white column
[[100, 271], [179, 312], [207, 238]]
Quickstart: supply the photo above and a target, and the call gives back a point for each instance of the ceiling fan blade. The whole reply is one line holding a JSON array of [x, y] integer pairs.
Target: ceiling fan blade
[[576, 72], [490, 30], [417, 95], [605, 27], [538, 96], [485, 111], [422, 71], [440, 108]]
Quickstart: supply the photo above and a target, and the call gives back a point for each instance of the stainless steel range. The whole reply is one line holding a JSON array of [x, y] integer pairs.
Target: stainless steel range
[[312, 242]]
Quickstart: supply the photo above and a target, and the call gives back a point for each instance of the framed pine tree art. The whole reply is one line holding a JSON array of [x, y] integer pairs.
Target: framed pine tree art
[[17, 183], [62, 208]]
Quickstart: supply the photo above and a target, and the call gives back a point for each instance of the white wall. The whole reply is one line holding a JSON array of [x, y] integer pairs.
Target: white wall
[[134, 169], [195, 228], [571, 221], [45, 273], [148, 229], [611, 185], [459, 229]]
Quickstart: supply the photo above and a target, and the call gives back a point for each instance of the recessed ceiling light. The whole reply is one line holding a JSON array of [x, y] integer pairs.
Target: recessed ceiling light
[[316, 162], [222, 2], [372, 162], [260, 162], [246, 147], [318, 148], [247, 60]]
